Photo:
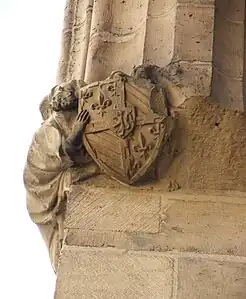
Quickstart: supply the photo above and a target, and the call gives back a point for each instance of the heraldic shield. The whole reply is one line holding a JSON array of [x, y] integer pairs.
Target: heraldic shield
[[125, 133]]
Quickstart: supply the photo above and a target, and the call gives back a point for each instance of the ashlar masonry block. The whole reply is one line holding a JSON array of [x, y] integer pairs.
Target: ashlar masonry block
[[111, 273]]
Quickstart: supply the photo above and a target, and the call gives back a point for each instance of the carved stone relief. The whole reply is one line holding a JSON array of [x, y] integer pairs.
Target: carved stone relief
[[118, 124], [55, 160], [126, 131]]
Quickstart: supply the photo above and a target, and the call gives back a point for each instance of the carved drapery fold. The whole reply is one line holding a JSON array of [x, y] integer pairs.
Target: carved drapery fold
[[75, 39]]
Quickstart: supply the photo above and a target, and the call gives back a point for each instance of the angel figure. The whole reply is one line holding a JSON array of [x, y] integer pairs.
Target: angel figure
[[56, 151]]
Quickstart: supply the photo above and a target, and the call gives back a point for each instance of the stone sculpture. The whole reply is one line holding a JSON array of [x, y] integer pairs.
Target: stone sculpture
[[52, 162], [130, 120], [120, 122]]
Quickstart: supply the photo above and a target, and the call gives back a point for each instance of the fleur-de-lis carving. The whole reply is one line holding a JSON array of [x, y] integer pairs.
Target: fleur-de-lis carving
[[102, 105], [156, 129], [142, 147]]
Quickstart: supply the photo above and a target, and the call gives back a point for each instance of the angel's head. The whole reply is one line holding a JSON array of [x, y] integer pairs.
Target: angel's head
[[63, 98]]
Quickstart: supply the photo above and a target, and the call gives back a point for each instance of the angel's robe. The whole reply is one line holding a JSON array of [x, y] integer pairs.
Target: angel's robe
[[47, 178]]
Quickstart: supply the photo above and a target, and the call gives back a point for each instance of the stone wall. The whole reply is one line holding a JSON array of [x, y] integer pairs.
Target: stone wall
[[135, 244]]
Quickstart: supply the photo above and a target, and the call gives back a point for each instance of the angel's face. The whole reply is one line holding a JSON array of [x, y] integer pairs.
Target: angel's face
[[64, 99]]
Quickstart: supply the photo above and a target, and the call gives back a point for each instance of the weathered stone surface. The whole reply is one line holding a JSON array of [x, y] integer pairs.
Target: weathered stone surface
[[228, 53], [193, 38], [184, 222], [161, 20], [228, 49], [201, 278], [207, 150], [94, 42], [214, 225], [103, 31], [113, 273], [193, 78], [196, 2], [95, 209], [231, 95], [144, 242]]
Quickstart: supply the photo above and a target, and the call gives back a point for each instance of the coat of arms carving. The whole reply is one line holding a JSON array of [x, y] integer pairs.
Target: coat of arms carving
[[129, 122]]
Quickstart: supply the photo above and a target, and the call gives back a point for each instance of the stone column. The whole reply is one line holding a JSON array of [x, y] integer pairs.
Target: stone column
[[75, 39], [228, 56], [102, 36], [117, 37], [177, 35], [191, 66]]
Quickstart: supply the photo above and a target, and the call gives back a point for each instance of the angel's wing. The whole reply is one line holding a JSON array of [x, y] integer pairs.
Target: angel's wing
[[44, 108]]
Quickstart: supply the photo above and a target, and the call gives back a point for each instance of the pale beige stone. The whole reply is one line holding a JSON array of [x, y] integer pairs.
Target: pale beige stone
[[75, 39], [143, 241], [228, 53], [193, 38], [197, 2], [94, 209], [207, 150], [47, 173], [228, 50], [111, 37], [104, 31], [211, 226], [185, 222], [159, 47], [201, 279], [111, 273], [231, 95], [192, 78], [160, 33]]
